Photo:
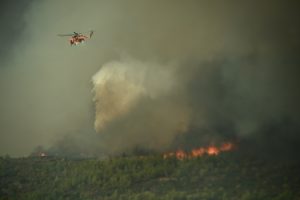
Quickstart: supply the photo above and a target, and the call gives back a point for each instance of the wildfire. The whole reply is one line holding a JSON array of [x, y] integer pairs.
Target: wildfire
[[211, 150]]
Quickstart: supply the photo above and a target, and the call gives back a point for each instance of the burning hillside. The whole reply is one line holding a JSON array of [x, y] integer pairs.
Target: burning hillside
[[211, 150]]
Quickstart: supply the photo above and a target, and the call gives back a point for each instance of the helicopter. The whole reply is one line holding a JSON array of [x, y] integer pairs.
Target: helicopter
[[77, 38]]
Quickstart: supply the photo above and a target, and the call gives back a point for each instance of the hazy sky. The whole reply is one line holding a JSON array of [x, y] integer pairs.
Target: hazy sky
[[156, 74]]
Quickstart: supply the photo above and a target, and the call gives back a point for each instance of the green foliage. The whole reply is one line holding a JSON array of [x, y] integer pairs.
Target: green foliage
[[152, 177]]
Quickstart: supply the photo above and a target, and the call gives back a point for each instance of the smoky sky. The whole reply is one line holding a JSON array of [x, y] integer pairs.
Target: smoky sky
[[12, 23], [157, 75]]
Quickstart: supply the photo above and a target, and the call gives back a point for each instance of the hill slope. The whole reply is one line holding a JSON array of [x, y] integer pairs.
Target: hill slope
[[223, 177]]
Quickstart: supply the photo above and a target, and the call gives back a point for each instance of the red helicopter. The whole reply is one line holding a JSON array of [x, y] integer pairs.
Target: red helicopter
[[77, 38]]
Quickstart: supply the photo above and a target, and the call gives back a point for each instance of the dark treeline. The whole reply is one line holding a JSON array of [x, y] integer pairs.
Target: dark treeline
[[227, 176]]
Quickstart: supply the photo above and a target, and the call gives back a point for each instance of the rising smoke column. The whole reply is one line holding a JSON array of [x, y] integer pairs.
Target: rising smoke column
[[137, 105], [118, 87]]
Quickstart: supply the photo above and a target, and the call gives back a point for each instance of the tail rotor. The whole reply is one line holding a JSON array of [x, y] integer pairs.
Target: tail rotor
[[91, 33]]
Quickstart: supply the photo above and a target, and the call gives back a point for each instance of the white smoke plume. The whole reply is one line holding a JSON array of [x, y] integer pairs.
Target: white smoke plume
[[141, 99]]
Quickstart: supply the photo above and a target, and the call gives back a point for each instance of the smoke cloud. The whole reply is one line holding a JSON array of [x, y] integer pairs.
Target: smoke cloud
[[138, 104], [156, 75]]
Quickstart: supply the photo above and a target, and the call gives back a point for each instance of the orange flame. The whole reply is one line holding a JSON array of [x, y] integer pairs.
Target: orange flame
[[211, 150]]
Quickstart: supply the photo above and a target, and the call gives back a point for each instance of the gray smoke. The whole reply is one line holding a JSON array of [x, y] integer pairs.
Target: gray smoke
[[139, 104], [193, 72]]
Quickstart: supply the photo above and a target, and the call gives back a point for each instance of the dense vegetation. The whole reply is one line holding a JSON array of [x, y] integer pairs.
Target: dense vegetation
[[223, 177]]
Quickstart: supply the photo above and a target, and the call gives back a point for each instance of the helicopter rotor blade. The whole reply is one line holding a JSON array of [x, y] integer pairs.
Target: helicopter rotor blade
[[62, 35]]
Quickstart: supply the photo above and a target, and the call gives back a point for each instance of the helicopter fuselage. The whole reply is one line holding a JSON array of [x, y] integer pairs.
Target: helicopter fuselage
[[77, 39]]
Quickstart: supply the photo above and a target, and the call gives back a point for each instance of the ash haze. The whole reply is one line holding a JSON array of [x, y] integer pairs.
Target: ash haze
[[156, 74]]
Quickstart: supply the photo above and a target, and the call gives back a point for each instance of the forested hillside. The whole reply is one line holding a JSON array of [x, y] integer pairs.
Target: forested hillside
[[226, 176]]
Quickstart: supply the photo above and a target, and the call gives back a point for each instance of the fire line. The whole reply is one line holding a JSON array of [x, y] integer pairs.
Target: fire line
[[211, 150]]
